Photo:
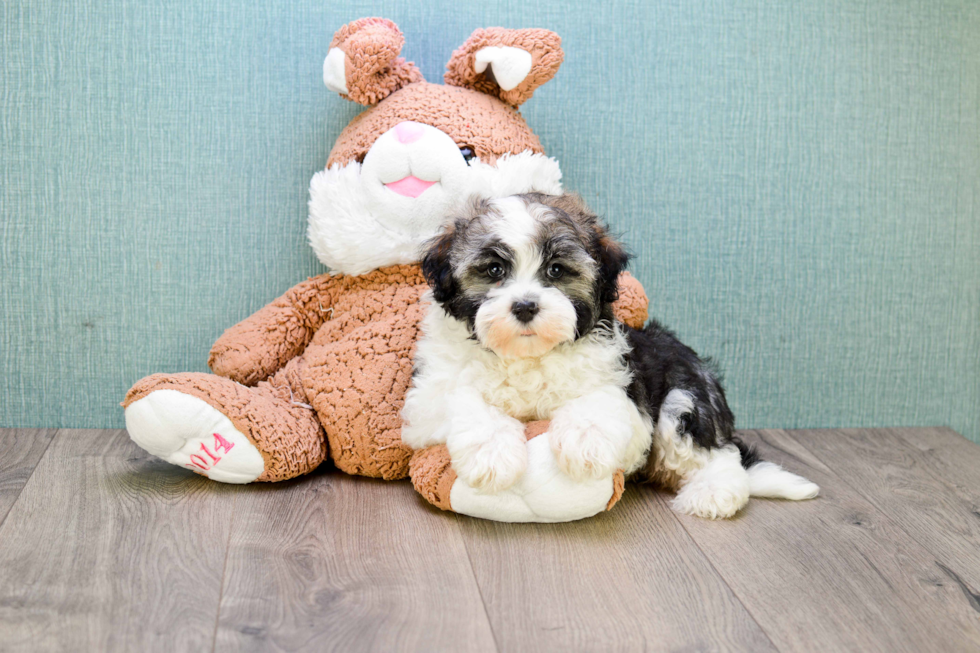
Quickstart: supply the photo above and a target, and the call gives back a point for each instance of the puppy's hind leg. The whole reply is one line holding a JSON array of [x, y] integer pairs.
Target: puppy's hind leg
[[722, 485], [710, 481], [714, 481]]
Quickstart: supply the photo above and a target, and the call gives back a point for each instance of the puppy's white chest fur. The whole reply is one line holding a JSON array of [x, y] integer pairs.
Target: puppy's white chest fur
[[526, 388]]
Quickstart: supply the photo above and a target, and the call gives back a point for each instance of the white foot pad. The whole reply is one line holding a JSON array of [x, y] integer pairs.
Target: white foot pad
[[189, 432]]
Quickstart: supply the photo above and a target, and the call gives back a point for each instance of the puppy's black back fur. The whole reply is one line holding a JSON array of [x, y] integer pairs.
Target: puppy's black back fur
[[661, 363]]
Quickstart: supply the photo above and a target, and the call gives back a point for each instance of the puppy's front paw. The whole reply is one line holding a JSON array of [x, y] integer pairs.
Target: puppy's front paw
[[490, 464], [584, 450]]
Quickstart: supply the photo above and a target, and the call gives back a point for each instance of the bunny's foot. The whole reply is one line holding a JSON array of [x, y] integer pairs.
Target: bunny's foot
[[223, 430]]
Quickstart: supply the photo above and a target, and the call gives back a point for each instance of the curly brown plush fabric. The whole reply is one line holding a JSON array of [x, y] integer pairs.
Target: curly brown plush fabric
[[256, 347], [632, 306], [373, 69], [359, 366], [536, 428], [546, 57], [433, 475], [619, 485]]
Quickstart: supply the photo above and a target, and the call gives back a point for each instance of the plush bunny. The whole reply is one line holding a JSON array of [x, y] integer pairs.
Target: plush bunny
[[323, 370]]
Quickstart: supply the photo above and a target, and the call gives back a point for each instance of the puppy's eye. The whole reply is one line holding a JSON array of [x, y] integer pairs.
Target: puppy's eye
[[555, 271], [468, 153], [495, 270]]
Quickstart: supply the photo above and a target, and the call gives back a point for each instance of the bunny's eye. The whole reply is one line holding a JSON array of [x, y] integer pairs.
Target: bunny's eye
[[468, 153]]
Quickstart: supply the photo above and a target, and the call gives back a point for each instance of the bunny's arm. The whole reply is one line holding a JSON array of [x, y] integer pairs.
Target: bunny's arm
[[258, 346], [631, 307]]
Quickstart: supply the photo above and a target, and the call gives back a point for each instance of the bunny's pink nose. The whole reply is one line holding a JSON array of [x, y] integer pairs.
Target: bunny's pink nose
[[408, 132]]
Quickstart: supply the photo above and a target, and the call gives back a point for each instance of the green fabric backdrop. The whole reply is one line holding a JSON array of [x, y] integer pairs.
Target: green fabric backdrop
[[800, 183]]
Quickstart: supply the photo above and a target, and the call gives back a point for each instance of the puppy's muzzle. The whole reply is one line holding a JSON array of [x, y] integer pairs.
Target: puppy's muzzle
[[525, 310]]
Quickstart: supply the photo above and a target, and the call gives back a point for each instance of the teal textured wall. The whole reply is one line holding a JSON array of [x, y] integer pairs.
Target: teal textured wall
[[800, 182]]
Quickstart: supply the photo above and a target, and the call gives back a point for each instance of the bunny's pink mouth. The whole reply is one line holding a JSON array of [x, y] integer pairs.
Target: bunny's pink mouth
[[410, 186]]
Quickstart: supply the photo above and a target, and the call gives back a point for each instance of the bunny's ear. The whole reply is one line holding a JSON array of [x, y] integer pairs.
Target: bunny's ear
[[506, 63], [363, 63]]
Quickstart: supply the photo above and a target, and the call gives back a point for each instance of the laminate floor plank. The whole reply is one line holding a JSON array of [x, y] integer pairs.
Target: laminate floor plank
[[331, 562], [105, 548], [20, 451], [110, 549], [834, 573], [936, 502], [626, 580], [954, 458]]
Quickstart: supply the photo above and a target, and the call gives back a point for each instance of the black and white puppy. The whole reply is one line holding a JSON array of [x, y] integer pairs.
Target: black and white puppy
[[522, 329]]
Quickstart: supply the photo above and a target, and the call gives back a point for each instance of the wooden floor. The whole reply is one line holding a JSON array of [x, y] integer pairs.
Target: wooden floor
[[104, 548]]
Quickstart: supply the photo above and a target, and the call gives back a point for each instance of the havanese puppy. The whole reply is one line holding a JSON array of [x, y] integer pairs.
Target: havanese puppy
[[522, 329]]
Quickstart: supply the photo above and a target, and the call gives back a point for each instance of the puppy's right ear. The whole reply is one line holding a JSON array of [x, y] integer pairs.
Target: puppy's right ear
[[362, 63], [606, 250], [437, 266]]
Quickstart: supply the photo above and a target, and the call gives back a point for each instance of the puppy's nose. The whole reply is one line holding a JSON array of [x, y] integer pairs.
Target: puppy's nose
[[525, 310], [408, 132]]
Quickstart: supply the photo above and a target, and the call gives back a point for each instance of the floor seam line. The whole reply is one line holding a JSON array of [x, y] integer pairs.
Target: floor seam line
[[476, 581], [718, 573], [20, 492], [224, 570]]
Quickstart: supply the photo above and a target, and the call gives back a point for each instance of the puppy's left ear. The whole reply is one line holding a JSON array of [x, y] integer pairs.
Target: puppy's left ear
[[437, 267], [612, 261]]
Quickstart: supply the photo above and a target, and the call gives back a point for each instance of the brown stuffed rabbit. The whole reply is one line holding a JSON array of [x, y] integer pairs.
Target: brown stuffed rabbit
[[323, 370]]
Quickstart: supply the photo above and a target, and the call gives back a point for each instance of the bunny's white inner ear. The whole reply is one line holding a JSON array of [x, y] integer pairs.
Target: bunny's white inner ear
[[510, 65], [334, 74]]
